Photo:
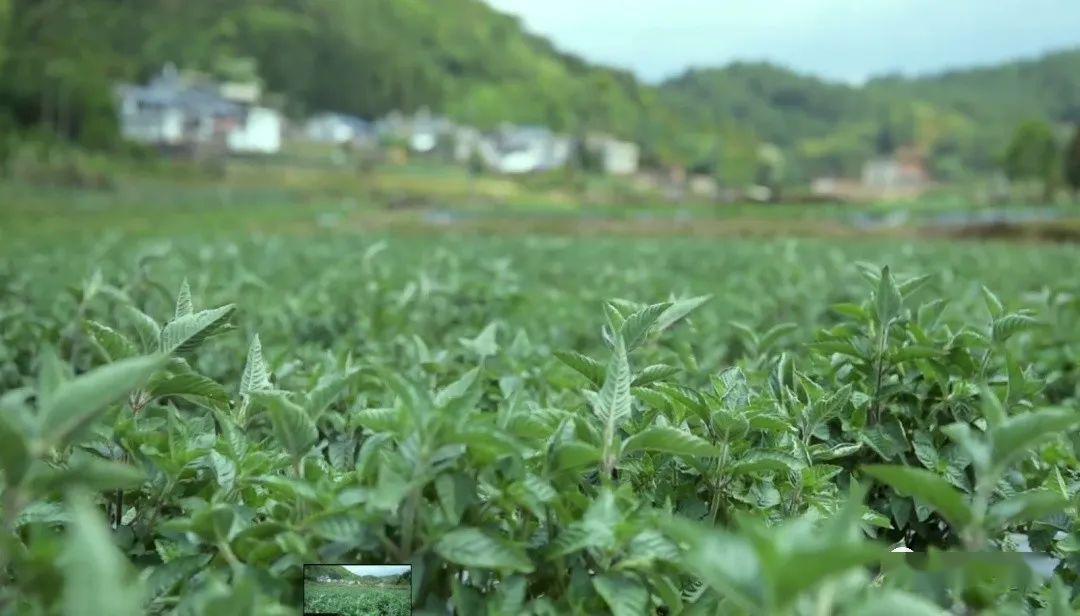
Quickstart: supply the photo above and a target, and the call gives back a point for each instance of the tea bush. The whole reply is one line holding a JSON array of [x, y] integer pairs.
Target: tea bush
[[540, 426], [355, 600]]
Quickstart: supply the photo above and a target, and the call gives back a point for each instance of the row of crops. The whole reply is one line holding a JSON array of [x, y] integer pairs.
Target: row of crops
[[540, 426]]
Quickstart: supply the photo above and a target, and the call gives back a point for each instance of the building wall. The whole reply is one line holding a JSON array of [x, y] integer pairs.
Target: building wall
[[329, 129], [260, 133], [621, 158], [160, 126]]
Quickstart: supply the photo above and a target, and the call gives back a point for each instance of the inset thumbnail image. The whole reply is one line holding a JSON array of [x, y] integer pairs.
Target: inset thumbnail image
[[357, 590]]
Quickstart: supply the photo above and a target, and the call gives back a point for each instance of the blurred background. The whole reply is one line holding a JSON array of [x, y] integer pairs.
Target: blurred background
[[806, 117]]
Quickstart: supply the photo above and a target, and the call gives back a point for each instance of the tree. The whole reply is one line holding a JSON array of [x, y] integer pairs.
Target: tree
[[1072, 162], [1032, 155], [770, 170]]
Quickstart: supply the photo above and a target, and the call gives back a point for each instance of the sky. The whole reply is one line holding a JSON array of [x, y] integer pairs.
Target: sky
[[378, 570], [841, 40]]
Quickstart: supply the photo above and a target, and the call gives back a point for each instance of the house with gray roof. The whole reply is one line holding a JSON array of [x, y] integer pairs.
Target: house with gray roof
[[339, 129], [525, 149], [176, 111]]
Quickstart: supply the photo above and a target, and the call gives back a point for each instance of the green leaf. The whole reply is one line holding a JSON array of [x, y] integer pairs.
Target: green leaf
[[926, 486], [97, 577], [75, 404], [677, 310], [802, 570], [911, 285], [636, 327], [456, 491], [377, 419], [325, 393], [148, 329], [891, 602], [14, 450], [886, 438], [185, 333], [586, 366], [834, 452], [224, 470], [484, 344], [925, 450], [1016, 435], [1005, 327], [775, 333], [1026, 506], [993, 304], [165, 577], [624, 594], [765, 461], [293, 427], [887, 298], [102, 475], [722, 560], [472, 547], [457, 389], [112, 343], [52, 373], [189, 383], [612, 405], [669, 440], [341, 526], [256, 375], [913, 352], [575, 454], [183, 300], [651, 374], [972, 443]]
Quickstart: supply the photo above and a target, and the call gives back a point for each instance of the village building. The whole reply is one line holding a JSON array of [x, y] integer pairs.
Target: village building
[[525, 149], [179, 111], [428, 132], [466, 144], [703, 187], [339, 129], [903, 174], [615, 157]]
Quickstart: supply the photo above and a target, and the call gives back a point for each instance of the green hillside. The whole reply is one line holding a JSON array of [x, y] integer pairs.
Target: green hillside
[[463, 58], [961, 119]]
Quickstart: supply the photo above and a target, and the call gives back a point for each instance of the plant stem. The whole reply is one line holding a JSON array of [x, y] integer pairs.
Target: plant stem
[[882, 336], [408, 521]]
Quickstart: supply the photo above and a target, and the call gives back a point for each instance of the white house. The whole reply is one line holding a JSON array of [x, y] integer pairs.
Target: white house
[[337, 128], [426, 131], [175, 110], [616, 157], [258, 132], [525, 149], [904, 172], [467, 142]]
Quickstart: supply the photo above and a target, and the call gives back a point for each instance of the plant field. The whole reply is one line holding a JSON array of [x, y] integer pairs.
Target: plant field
[[539, 425], [356, 600]]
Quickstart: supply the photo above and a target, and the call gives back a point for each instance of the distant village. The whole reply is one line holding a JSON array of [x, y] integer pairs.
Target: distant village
[[188, 114]]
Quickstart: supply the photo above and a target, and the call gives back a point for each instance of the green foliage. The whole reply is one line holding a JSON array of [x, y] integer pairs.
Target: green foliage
[[479, 66], [355, 600], [485, 411], [1033, 155], [1072, 162]]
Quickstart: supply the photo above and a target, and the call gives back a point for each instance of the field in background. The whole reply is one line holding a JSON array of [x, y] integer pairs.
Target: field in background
[[364, 600], [286, 197]]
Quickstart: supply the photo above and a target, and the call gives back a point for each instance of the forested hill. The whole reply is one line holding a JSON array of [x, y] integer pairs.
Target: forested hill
[[365, 57], [960, 118], [59, 58]]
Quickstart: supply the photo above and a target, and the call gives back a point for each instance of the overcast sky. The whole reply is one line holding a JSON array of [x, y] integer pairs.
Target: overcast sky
[[846, 40], [378, 570]]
